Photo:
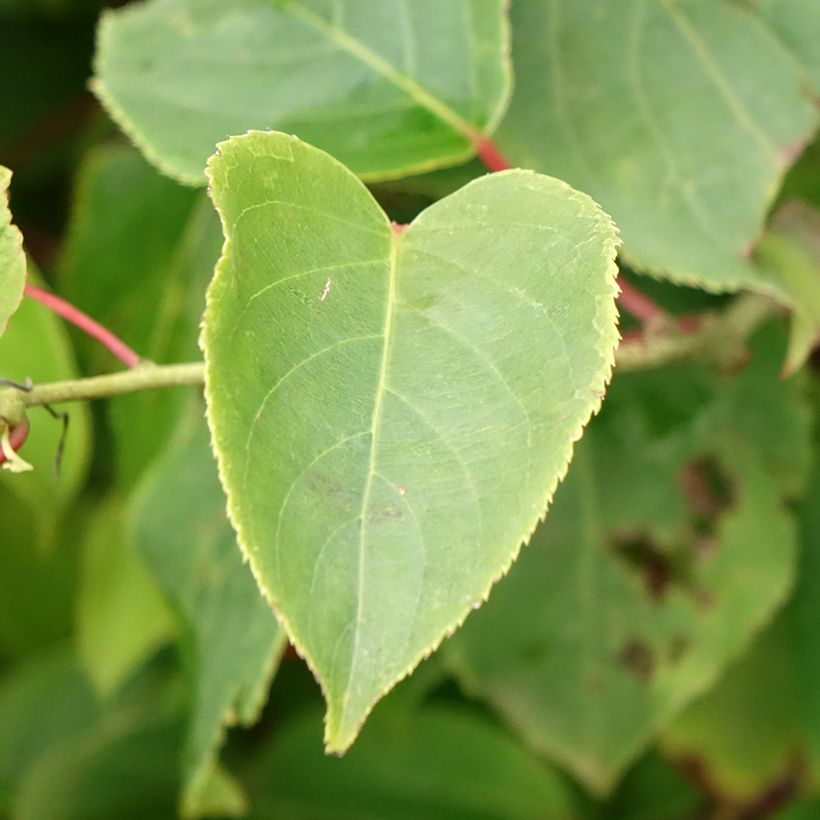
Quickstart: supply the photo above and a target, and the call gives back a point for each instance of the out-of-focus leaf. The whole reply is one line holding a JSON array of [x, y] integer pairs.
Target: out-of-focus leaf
[[123, 765], [653, 789], [797, 24], [804, 615], [12, 258], [654, 108], [743, 737], [36, 345], [43, 700], [234, 641], [758, 730], [121, 615], [791, 246], [392, 411], [666, 551], [37, 579], [390, 87], [140, 265], [436, 763]]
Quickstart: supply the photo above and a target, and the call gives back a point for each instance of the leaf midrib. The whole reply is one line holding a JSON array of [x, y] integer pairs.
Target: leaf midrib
[[384, 69], [375, 425]]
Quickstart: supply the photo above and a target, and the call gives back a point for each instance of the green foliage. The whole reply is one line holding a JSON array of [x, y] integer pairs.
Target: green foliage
[[401, 355], [360, 512], [441, 763], [390, 88], [231, 636], [666, 550], [654, 108]]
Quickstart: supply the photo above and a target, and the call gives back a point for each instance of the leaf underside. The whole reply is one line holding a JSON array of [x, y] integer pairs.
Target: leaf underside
[[389, 87], [392, 413]]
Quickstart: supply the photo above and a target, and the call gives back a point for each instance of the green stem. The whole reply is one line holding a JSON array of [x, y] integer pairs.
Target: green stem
[[720, 339], [145, 376]]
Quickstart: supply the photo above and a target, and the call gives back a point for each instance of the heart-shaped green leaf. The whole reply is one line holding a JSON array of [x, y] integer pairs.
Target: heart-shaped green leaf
[[392, 411], [389, 86], [12, 258]]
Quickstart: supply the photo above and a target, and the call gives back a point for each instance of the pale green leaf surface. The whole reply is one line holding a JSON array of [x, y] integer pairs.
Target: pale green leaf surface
[[121, 616], [140, 265], [392, 413], [797, 24], [36, 345], [235, 643], [636, 593], [12, 258], [388, 86], [655, 109], [436, 763]]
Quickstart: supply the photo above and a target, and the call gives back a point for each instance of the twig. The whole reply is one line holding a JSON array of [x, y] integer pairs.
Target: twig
[[643, 308]]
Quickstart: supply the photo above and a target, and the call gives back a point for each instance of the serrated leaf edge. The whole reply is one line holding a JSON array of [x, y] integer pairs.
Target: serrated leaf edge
[[139, 139], [606, 317]]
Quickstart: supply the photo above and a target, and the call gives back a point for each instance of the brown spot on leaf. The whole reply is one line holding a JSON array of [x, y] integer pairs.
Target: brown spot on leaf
[[642, 554], [708, 490], [638, 658]]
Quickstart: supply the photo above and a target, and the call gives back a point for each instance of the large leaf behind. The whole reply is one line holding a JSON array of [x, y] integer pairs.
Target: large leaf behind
[[140, 268], [655, 109], [437, 763], [388, 86], [391, 412], [666, 550], [233, 639]]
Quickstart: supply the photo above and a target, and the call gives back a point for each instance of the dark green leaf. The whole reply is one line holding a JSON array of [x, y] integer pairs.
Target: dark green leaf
[[235, 643], [666, 551]]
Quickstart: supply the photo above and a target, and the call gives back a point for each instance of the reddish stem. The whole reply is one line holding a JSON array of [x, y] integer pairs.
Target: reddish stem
[[638, 304], [81, 320], [489, 154]]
